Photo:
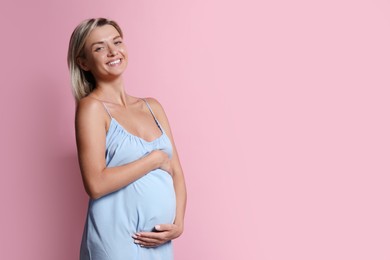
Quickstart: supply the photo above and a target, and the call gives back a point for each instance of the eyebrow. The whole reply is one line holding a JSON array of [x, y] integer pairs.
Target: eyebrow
[[116, 37]]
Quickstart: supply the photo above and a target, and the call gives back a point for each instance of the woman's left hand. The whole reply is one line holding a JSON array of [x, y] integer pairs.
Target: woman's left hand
[[163, 234]]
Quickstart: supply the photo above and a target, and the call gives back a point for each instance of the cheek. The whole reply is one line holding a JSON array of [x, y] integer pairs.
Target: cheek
[[97, 58], [123, 50]]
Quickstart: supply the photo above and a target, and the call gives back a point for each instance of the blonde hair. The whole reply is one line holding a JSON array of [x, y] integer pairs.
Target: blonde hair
[[83, 82]]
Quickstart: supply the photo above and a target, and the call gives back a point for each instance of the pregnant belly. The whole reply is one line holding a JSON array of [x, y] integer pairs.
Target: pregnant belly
[[155, 199], [137, 207]]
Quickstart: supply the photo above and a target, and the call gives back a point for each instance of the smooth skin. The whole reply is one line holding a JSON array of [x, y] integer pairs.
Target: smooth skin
[[106, 58]]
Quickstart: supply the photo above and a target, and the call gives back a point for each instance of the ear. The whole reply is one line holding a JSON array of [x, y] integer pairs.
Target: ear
[[82, 62]]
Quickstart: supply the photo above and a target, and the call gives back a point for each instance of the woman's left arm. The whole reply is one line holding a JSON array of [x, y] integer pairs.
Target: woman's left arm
[[166, 232]]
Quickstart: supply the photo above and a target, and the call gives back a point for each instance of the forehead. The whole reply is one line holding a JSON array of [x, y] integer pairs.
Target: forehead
[[101, 34]]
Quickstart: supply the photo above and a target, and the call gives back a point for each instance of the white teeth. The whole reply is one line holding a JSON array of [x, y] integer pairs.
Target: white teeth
[[114, 62]]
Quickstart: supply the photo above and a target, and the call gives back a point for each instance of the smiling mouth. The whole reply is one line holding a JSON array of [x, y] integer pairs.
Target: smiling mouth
[[115, 62]]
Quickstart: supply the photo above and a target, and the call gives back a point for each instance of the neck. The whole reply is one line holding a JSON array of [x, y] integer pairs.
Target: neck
[[112, 91]]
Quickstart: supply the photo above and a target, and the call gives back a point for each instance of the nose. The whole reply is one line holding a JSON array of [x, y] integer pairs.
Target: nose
[[112, 50]]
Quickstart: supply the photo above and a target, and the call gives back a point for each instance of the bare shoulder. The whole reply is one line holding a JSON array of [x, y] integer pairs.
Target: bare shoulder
[[91, 111], [89, 105], [156, 107]]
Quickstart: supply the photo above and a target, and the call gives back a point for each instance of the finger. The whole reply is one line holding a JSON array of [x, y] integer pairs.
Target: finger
[[155, 235], [149, 242], [149, 237], [144, 244], [151, 245]]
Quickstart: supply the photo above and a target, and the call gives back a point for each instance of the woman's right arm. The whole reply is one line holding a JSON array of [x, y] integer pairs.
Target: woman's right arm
[[98, 179]]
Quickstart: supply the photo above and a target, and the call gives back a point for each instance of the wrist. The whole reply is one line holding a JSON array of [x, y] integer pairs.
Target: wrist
[[180, 226], [154, 160]]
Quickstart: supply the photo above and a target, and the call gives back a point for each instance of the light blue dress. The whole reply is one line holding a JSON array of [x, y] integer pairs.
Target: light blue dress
[[150, 200]]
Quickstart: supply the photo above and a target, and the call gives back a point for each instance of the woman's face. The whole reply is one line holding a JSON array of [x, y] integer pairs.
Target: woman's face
[[105, 53]]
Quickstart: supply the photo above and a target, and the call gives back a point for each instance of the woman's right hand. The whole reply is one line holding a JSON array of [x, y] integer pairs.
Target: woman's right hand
[[163, 160]]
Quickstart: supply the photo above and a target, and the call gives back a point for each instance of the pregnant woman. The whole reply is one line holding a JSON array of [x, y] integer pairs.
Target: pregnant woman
[[128, 160]]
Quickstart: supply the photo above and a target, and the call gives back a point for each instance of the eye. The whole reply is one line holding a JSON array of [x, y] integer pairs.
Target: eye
[[118, 42], [97, 49]]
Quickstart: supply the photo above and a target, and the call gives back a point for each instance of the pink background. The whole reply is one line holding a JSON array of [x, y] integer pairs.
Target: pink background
[[280, 110]]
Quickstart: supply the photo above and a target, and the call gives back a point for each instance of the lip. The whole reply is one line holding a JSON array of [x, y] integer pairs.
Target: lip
[[115, 62]]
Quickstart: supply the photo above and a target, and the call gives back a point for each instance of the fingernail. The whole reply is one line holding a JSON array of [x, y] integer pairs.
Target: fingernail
[[136, 241], [157, 227], [134, 236]]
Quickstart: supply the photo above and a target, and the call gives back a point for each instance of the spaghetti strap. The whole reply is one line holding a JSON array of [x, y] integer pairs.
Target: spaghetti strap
[[105, 107], [151, 111]]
